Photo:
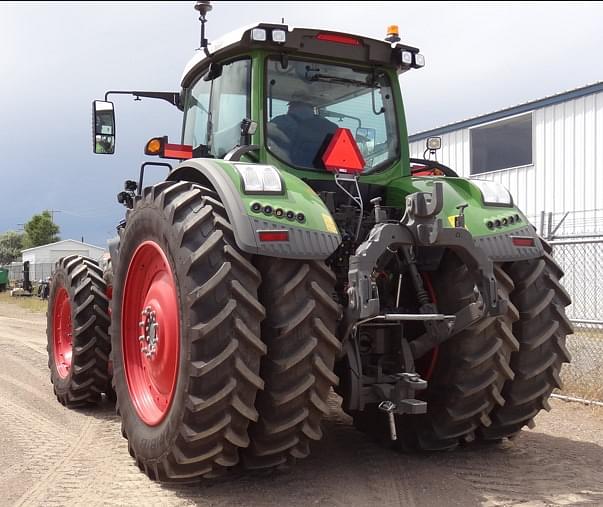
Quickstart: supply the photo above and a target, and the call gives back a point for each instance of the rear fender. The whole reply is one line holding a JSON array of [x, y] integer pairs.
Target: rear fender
[[315, 237]]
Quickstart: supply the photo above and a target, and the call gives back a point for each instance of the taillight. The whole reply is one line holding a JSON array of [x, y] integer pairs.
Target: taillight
[[522, 241], [277, 235], [340, 39]]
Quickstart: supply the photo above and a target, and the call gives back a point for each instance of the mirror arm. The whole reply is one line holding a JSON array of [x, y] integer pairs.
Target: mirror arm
[[171, 97]]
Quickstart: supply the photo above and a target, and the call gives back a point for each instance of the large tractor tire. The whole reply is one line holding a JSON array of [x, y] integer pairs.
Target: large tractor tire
[[78, 332], [541, 331], [299, 331], [466, 373], [185, 335]]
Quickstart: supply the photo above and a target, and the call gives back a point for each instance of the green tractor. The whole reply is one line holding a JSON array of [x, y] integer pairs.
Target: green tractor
[[292, 249]]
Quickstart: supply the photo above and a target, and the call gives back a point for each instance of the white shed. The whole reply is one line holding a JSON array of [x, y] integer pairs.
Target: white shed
[[547, 152], [49, 254]]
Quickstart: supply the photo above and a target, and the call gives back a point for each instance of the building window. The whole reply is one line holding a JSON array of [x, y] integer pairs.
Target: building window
[[502, 144]]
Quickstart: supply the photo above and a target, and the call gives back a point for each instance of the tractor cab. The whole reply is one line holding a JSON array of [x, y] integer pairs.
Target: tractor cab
[[297, 87]]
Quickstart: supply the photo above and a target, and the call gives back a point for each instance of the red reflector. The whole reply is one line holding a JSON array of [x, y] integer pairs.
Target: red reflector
[[181, 151], [340, 39], [274, 235], [519, 241], [342, 153]]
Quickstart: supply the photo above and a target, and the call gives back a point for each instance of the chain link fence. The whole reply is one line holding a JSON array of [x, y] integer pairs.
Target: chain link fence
[[37, 272], [582, 261]]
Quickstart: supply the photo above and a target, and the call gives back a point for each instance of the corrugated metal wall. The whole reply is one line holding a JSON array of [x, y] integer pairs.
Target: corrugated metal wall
[[567, 173]]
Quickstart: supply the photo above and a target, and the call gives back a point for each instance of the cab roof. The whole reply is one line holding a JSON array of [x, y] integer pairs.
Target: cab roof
[[304, 42]]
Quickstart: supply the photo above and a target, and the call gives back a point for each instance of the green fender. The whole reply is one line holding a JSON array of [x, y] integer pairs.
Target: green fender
[[316, 237], [492, 227]]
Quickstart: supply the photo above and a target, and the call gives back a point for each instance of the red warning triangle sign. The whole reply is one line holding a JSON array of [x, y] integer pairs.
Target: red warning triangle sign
[[342, 153]]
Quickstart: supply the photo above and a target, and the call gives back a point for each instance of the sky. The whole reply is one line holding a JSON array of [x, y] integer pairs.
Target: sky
[[57, 57]]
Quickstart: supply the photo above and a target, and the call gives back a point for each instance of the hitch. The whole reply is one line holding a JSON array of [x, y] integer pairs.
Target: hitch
[[388, 407], [399, 398]]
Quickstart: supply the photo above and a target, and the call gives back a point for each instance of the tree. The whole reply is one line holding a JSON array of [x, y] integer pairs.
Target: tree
[[11, 244], [40, 230]]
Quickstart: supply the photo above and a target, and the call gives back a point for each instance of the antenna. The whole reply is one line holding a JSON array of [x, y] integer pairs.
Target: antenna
[[203, 6]]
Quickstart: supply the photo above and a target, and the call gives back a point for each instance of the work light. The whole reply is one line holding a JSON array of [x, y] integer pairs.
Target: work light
[[258, 34], [434, 143], [279, 36], [260, 179]]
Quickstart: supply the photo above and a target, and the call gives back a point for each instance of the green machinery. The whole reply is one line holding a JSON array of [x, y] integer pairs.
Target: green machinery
[[3, 279], [294, 247]]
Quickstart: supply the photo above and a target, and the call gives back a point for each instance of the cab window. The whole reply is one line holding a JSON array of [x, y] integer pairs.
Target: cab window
[[308, 101], [215, 106]]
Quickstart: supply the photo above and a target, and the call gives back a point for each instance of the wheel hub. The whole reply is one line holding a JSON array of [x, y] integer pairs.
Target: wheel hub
[[149, 339]]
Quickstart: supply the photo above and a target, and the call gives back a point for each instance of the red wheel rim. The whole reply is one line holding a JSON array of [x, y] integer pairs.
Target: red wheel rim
[[62, 345], [150, 332]]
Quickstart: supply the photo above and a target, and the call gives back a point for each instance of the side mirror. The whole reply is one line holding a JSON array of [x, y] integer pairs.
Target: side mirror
[[365, 137], [103, 127]]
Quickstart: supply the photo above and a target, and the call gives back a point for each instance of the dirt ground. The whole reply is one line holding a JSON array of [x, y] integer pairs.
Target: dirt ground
[[50, 455]]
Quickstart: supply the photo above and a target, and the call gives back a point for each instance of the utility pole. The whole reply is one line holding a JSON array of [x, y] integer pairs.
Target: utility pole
[[52, 212]]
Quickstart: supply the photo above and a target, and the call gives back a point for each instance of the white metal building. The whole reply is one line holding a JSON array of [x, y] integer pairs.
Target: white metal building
[[47, 254], [547, 152]]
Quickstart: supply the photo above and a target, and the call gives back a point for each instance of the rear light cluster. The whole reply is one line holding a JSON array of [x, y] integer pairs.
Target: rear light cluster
[[292, 216], [503, 222]]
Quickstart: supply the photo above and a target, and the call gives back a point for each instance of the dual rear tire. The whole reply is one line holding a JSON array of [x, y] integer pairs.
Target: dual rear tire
[[493, 378], [188, 360]]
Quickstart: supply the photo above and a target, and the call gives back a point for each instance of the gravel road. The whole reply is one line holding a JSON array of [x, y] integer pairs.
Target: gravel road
[[50, 455]]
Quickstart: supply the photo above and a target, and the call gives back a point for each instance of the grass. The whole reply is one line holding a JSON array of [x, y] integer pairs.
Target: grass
[[587, 386], [32, 303]]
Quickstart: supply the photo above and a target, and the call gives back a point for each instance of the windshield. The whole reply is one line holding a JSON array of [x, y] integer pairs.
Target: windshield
[[308, 101]]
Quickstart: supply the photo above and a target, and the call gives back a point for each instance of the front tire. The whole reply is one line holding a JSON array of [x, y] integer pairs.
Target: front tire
[[181, 276], [78, 332]]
